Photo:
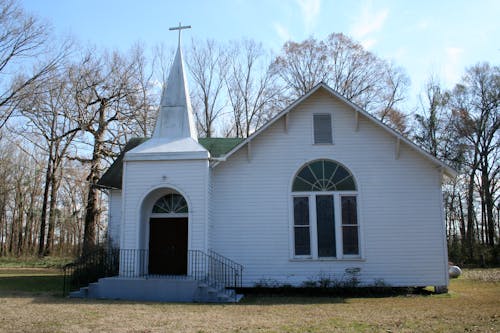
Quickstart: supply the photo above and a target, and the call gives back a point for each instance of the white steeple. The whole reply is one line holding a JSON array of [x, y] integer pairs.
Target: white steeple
[[175, 119], [175, 135]]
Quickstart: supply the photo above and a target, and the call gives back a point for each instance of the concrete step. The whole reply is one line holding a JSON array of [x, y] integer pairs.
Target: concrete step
[[230, 299], [135, 289], [238, 298], [93, 290], [210, 293], [82, 293]]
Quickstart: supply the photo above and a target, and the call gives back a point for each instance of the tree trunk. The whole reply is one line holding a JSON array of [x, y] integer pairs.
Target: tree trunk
[[470, 216], [52, 213], [92, 210], [463, 234], [488, 200], [43, 216]]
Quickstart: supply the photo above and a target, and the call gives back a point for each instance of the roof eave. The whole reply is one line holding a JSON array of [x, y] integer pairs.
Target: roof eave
[[268, 124]]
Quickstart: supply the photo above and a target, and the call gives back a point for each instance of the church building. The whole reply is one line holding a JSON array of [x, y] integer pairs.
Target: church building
[[322, 190]]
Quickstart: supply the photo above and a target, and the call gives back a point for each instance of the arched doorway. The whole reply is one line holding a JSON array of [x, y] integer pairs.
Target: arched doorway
[[168, 236]]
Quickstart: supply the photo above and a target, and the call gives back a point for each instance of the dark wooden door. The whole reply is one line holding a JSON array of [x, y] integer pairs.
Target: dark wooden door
[[168, 238]]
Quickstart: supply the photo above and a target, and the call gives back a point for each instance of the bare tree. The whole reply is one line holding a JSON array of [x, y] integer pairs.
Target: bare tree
[[302, 65], [52, 128], [251, 88], [73, 196], [475, 103], [19, 191], [390, 94], [370, 82], [208, 65], [23, 40], [435, 130], [144, 102], [103, 86]]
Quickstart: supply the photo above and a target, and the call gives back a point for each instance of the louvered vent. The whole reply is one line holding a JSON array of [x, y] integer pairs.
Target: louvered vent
[[322, 128]]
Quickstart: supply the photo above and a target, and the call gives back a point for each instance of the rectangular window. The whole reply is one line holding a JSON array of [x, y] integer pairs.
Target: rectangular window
[[325, 225], [322, 128], [349, 225], [301, 226]]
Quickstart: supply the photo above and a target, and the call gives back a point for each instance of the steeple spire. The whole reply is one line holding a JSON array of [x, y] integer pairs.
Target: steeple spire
[[175, 119], [175, 135]]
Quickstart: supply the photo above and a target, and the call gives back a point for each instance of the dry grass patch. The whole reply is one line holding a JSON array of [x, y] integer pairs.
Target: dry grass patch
[[486, 275], [472, 305]]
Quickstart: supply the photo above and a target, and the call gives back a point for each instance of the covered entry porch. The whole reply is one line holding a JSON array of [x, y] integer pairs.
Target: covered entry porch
[[167, 265]]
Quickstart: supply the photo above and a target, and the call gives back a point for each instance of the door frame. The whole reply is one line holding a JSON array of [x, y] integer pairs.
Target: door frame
[[149, 198]]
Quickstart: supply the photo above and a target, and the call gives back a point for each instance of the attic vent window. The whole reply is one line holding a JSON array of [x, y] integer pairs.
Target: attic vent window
[[322, 128]]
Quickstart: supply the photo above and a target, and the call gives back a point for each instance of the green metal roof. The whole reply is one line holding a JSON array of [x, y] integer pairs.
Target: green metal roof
[[219, 146], [112, 178]]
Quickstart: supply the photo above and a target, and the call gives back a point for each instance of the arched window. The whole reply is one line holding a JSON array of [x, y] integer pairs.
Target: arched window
[[325, 217], [171, 203], [323, 175]]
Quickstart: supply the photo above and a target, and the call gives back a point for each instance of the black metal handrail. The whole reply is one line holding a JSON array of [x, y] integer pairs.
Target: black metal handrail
[[233, 272], [89, 268], [210, 267]]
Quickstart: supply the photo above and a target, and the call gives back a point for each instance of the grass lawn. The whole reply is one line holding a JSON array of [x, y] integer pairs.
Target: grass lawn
[[30, 301]]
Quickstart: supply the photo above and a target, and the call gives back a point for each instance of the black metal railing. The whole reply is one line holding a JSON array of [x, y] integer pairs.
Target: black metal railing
[[210, 267], [226, 270], [89, 268]]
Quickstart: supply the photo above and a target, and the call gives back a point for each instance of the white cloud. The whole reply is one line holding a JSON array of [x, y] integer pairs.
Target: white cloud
[[422, 24], [369, 21], [282, 32], [452, 68], [400, 53], [368, 43], [309, 11]]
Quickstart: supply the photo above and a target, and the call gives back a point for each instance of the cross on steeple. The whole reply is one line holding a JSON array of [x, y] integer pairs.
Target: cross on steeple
[[180, 28]]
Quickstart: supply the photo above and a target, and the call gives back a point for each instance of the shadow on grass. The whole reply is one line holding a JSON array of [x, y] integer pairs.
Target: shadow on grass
[[344, 292], [47, 289], [32, 283], [285, 300], [250, 300]]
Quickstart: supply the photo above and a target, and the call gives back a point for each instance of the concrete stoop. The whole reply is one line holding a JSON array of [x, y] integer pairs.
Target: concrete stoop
[[82, 293], [157, 289], [211, 293]]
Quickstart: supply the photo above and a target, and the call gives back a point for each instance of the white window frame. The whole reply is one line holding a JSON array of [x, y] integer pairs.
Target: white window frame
[[298, 226], [331, 127], [348, 194], [313, 235]]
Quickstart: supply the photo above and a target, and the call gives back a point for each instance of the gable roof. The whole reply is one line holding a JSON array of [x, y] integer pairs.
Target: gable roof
[[112, 178], [446, 168]]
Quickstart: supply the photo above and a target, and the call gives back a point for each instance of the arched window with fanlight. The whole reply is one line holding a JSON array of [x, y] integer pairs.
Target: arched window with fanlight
[[325, 211], [171, 203]]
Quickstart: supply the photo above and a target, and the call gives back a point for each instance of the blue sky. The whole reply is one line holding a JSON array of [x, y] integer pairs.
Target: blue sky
[[441, 36]]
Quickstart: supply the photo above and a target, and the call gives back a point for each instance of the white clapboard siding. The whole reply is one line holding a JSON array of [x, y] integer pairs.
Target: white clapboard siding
[[115, 217], [144, 183], [399, 199]]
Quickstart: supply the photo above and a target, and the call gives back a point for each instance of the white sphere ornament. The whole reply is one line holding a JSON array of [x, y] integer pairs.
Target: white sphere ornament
[[454, 272]]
